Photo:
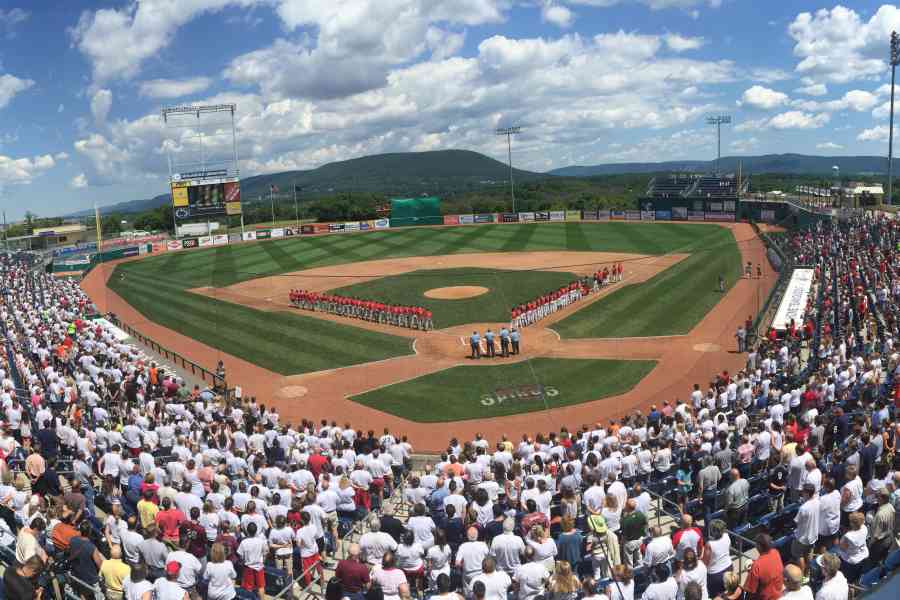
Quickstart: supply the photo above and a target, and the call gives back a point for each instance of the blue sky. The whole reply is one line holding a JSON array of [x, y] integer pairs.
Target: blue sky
[[590, 81]]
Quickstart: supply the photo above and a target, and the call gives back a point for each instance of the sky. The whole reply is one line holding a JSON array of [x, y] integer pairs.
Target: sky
[[82, 84]]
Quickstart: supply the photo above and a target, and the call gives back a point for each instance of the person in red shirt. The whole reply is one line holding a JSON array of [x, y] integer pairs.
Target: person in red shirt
[[169, 520], [765, 580], [316, 463]]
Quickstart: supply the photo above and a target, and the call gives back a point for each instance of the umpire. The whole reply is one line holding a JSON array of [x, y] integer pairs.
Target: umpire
[[475, 343], [514, 338]]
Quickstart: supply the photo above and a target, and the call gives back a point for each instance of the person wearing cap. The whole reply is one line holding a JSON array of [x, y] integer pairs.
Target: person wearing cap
[[167, 588]]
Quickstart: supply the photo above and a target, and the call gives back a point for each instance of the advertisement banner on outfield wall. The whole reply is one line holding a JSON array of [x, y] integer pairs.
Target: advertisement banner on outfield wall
[[451, 219], [696, 215], [307, 229], [590, 215], [263, 234], [173, 245], [133, 251], [249, 236], [633, 215], [365, 225], [385, 223], [278, 232], [484, 218], [542, 215], [573, 215], [724, 217], [234, 238], [351, 226], [143, 249], [714, 206], [679, 213], [289, 231], [617, 215], [664, 215], [206, 240], [159, 247], [526, 217], [336, 227], [509, 218], [557, 215], [466, 219], [648, 215], [189, 243], [321, 227], [604, 215], [220, 239]]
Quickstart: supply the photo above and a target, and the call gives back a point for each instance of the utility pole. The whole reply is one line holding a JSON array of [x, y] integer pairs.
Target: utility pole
[[718, 121], [509, 132], [296, 206], [895, 60]]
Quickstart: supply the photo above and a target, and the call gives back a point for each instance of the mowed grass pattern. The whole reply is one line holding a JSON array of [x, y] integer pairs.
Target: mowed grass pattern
[[507, 289], [287, 342], [471, 392]]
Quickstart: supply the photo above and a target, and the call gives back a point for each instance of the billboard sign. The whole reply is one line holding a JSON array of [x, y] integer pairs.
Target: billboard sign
[[263, 234], [451, 219], [679, 213], [220, 239], [541, 215], [249, 236], [573, 215], [278, 232], [336, 227], [633, 215], [173, 245], [205, 198], [696, 215], [489, 218], [383, 223], [604, 215], [189, 243], [590, 215], [557, 215], [509, 218], [664, 215], [648, 215], [466, 219]]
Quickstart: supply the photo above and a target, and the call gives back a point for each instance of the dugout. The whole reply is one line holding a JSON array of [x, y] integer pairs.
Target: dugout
[[416, 211]]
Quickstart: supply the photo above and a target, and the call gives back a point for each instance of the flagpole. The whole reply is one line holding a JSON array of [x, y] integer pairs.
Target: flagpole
[[296, 207], [272, 199]]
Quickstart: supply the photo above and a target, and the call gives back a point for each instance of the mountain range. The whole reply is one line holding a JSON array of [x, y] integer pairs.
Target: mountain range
[[446, 172]]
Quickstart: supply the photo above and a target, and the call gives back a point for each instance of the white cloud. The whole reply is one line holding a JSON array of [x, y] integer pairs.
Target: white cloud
[[10, 86], [61, 156], [653, 4], [557, 14], [679, 43], [79, 181], [813, 89], [22, 171], [174, 88], [855, 100], [769, 75], [839, 46], [11, 19], [61, 108], [795, 119], [101, 102], [744, 145], [443, 44], [829, 146], [763, 97]]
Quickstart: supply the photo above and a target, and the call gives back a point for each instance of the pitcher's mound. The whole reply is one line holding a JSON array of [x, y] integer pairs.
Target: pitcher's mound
[[456, 292]]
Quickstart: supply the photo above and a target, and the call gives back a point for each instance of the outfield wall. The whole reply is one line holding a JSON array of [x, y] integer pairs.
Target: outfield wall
[[158, 245]]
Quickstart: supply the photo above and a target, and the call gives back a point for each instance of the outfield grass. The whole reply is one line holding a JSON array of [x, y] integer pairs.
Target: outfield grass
[[478, 392], [291, 343], [507, 288]]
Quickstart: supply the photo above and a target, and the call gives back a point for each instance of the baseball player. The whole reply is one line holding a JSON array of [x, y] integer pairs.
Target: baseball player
[[429, 324]]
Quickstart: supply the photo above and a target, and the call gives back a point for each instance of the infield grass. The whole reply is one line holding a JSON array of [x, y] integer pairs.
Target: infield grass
[[291, 343], [506, 289], [479, 392]]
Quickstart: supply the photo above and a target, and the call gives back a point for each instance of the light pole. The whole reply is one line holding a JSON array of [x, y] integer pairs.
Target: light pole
[[509, 132], [718, 121], [296, 206], [895, 60]]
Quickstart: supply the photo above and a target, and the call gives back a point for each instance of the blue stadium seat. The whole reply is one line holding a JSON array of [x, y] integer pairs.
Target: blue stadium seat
[[871, 577]]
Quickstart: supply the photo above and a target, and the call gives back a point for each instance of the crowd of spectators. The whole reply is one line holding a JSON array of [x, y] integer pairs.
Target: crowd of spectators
[[130, 481]]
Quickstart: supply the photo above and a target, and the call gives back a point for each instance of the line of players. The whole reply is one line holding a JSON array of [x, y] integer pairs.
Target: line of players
[[542, 307], [412, 317]]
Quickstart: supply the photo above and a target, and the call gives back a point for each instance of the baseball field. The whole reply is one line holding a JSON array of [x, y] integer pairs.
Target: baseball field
[[233, 300]]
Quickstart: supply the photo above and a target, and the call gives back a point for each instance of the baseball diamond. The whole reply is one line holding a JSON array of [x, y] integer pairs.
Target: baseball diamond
[[232, 302]]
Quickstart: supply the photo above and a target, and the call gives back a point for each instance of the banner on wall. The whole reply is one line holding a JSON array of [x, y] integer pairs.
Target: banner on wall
[[174, 245], [321, 227], [509, 218], [143, 249], [793, 304], [249, 236], [526, 217], [263, 234], [351, 226], [542, 215], [719, 217], [664, 215], [466, 219], [715, 206], [336, 227], [573, 215], [289, 231], [234, 237], [696, 215], [648, 215], [382, 223], [617, 215], [590, 215], [557, 215], [484, 218], [451, 219], [220, 239], [365, 225], [205, 241], [633, 215], [159, 247], [679, 213], [604, 215], [307, 229], [278, 232]]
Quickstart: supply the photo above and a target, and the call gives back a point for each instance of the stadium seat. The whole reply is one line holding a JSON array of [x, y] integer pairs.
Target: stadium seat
[[871, 577]]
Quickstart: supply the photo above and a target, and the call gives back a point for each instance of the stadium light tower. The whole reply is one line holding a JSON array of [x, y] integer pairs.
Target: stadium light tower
[[718, 121], [895, 60], [509, 132]]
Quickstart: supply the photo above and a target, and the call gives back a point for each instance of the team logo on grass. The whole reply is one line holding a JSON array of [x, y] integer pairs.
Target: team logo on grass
[[520, 393]]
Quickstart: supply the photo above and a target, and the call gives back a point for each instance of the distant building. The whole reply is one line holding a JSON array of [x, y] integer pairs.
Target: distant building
[[44, 238]]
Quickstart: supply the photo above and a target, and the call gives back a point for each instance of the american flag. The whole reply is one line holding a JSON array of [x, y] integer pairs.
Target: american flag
[[273, 188]]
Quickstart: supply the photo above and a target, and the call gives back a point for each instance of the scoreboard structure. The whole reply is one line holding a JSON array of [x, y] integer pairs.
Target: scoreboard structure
[[204, 177]]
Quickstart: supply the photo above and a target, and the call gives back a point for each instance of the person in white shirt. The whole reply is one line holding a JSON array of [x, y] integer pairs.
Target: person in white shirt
[[664, 586], [835, 586], [375, 542], [793, 585], [692, 571], [806, 533], [829, 513], [469, 558], [853, 549], [496, 583], [507, 548], [531, 577]]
